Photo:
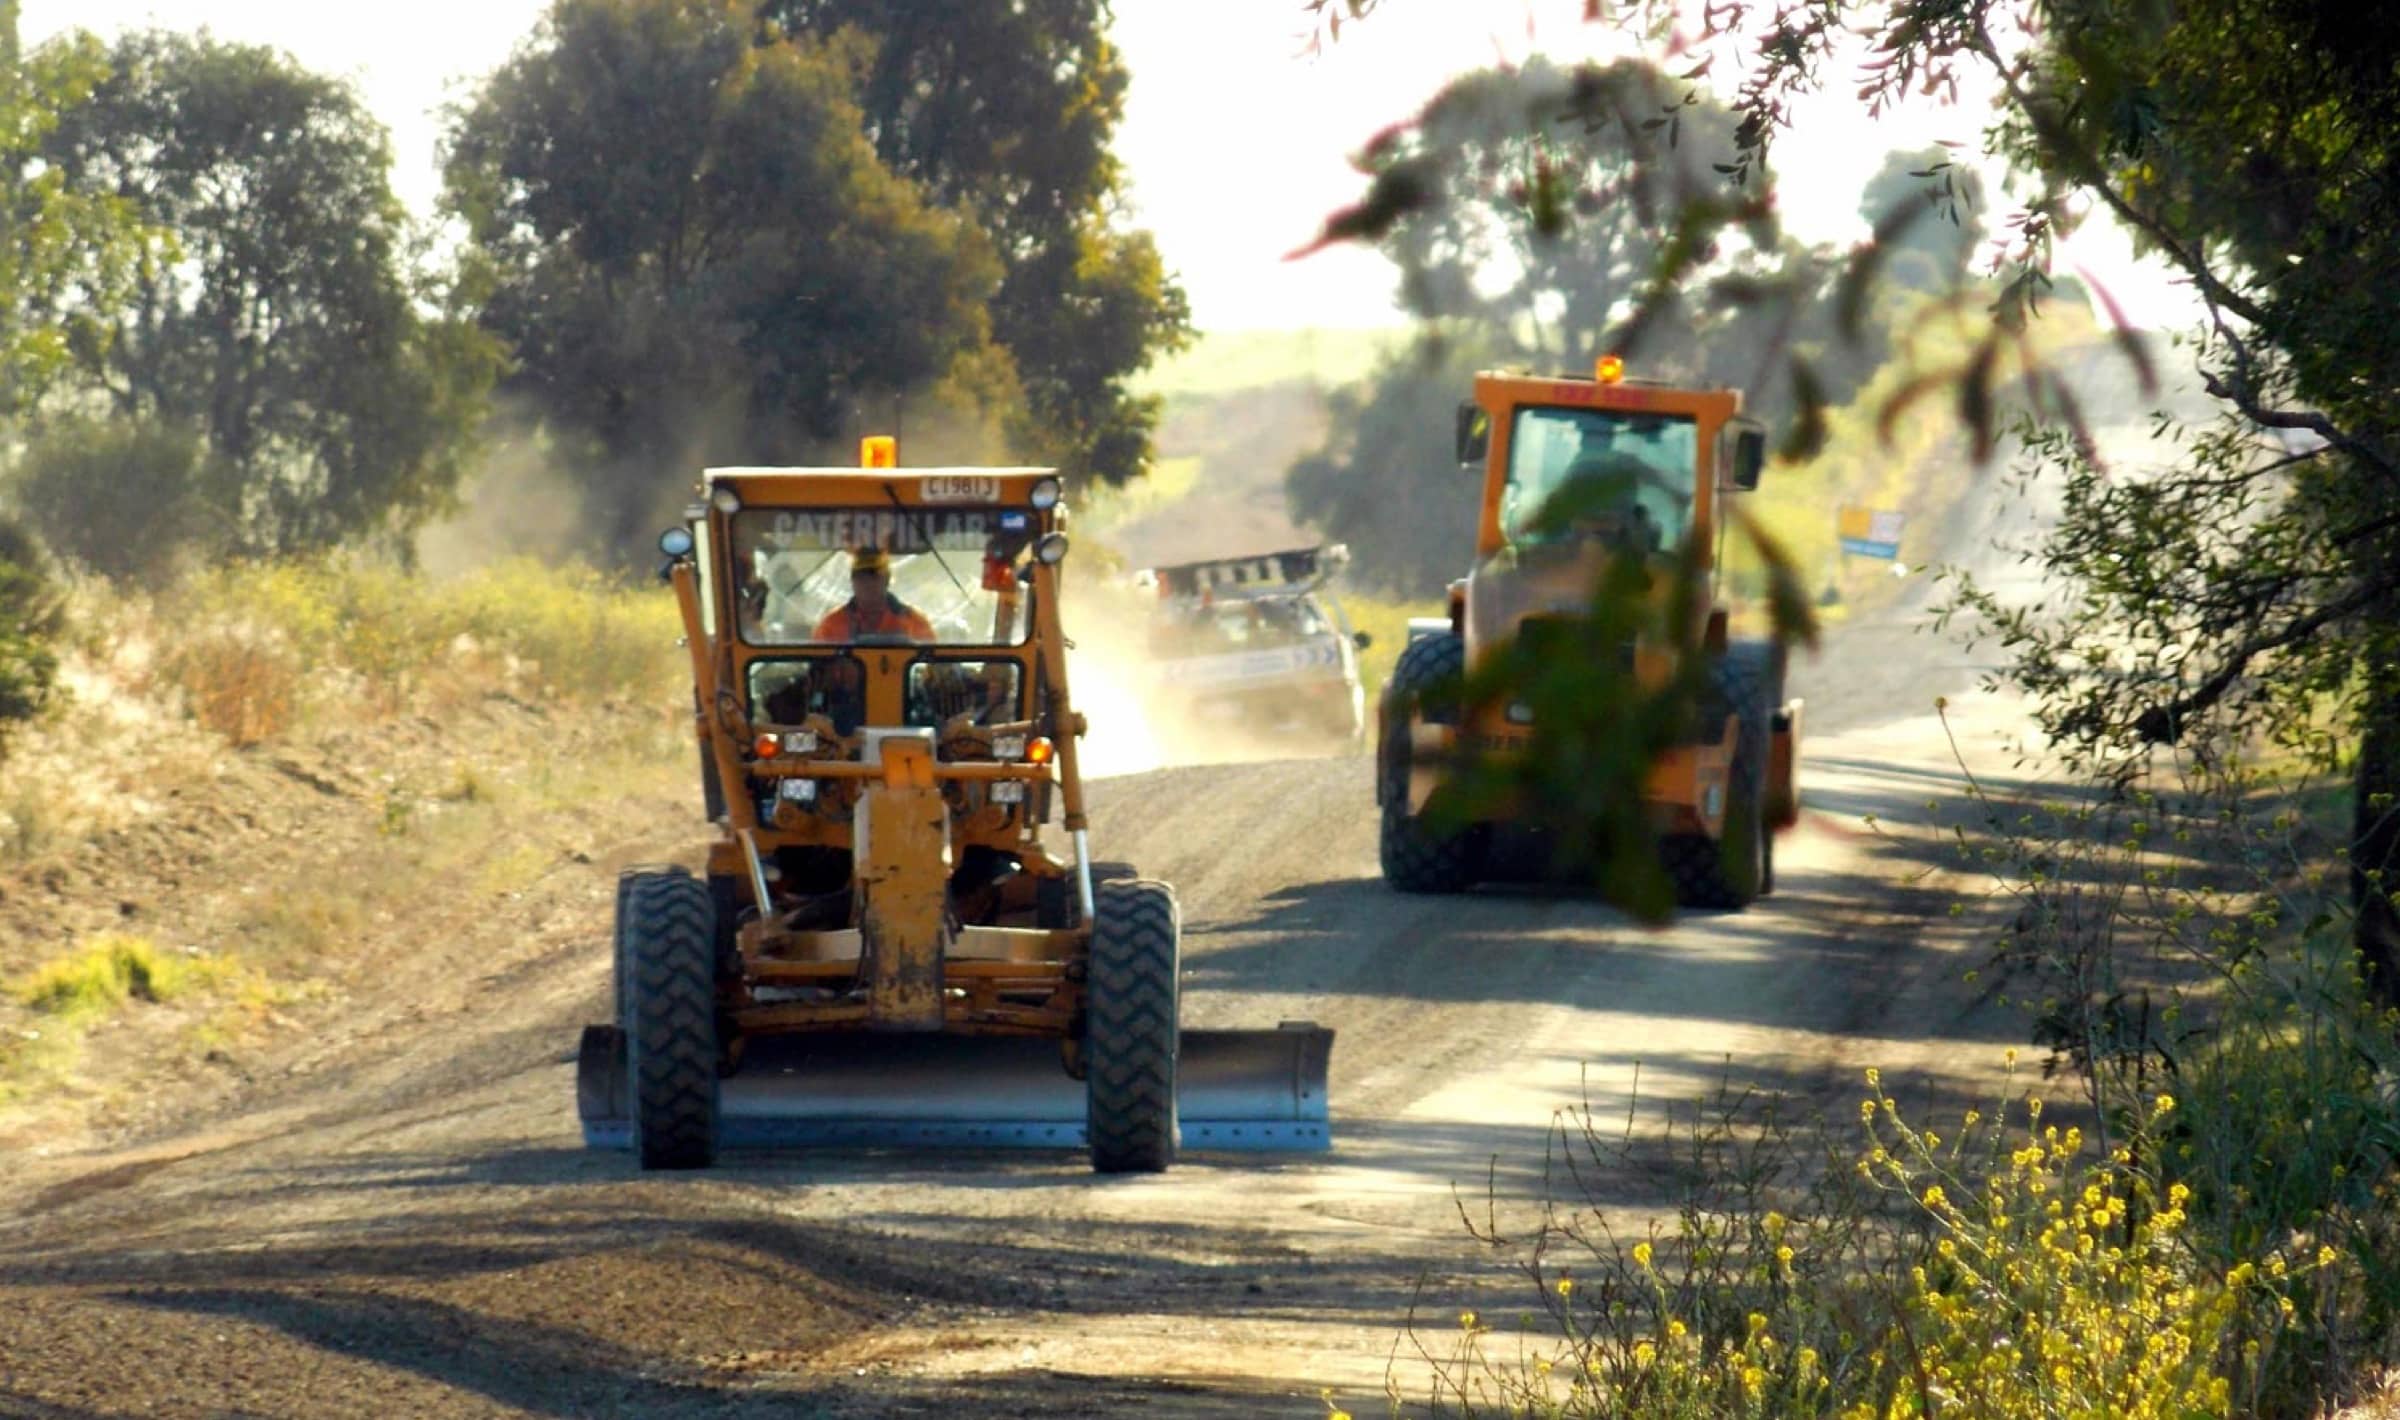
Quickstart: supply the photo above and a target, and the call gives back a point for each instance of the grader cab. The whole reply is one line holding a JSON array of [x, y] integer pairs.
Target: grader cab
[[882, 947], [1644, 468]]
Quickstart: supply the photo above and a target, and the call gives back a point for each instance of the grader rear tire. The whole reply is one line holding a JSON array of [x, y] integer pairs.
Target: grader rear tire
[[1415, 856], [1131, 1028], [670, 943]]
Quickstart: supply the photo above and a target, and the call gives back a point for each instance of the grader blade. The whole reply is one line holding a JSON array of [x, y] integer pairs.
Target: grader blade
[[1245, 1091]]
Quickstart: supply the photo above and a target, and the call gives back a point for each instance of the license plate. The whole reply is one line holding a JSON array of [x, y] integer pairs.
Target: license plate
[[951, 488]]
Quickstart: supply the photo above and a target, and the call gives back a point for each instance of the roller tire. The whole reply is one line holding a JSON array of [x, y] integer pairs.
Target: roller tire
[[670, 943], [1131, 1031], [1731, 872], [1415, 857]]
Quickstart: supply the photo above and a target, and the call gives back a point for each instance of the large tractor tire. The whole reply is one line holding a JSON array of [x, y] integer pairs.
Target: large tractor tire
[[668, 932], [1732, 871], [620, 959], [1131, 1029], [1417, 856]]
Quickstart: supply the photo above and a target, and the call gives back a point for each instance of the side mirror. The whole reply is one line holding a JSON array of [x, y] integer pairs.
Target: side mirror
[[1361, 640], [1749, 456], [1474, 433]]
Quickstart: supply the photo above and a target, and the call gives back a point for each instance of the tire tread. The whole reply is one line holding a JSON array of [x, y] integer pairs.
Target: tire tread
[[1415, 858], [670, 942], [1132, 1027]]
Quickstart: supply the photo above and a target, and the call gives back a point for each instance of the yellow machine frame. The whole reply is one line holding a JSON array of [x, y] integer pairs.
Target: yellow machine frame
[[920, 971]]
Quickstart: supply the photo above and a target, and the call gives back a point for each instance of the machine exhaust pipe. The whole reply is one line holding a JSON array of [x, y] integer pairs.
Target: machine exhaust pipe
[[1246, 1091]]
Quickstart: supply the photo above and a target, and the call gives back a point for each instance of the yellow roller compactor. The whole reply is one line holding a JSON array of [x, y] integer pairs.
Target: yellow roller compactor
[[883, 949], [1644, 467]]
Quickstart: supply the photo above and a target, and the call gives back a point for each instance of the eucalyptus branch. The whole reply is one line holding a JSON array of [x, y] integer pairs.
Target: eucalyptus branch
[[2086, 169], [2163, 724]]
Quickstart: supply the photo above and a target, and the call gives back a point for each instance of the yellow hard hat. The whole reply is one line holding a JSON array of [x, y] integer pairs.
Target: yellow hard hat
[[870, 559]]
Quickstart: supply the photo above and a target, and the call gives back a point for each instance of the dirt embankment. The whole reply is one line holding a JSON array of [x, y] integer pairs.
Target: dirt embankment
[[301, 895]]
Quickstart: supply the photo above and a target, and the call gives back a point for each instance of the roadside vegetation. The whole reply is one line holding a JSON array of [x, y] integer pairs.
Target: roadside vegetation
[[374, 689], [2184, 1201]]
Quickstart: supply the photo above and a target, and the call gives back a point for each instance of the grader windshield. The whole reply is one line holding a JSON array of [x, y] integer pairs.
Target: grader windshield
[[1631, 470], [806, 576]]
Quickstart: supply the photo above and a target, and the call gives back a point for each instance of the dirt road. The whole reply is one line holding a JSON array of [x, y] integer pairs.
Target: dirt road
[[394, 1215]]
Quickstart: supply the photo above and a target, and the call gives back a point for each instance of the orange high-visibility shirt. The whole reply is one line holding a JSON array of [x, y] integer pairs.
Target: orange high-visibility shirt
[[844, 623]]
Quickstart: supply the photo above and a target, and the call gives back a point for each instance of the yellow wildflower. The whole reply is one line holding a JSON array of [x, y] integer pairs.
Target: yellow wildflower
[[1641, 1255]]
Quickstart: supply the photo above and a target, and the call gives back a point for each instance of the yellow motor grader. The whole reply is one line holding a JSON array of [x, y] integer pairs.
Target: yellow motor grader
[[882, 949], [1659, 459]]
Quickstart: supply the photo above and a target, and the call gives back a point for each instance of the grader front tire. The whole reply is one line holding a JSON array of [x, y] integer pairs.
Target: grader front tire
[[1132, 1026], [669, 936]]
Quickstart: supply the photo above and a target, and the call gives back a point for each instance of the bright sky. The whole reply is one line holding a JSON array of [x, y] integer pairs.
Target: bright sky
[[1236, 138]]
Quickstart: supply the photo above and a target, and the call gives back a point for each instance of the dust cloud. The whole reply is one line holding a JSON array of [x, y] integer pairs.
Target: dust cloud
[[519, 500], [1138, 722]]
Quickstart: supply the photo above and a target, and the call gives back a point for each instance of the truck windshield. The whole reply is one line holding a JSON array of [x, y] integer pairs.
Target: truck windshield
[[1635, 469], [838, 576]]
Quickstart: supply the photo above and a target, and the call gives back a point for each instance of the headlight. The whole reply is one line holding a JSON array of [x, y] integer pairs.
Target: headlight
[[1008, 791], [799, 791], [726, 500], [1052, 548], [1008, 747], [676, 542], [800, 742], [1520, 713], [1045, 494]]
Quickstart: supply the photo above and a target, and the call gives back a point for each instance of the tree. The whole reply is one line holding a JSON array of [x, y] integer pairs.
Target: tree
[[681, 231], [1005, 113], [1387, 481], [1927, 210], [131, 498], [283, 330], [66, 254]]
